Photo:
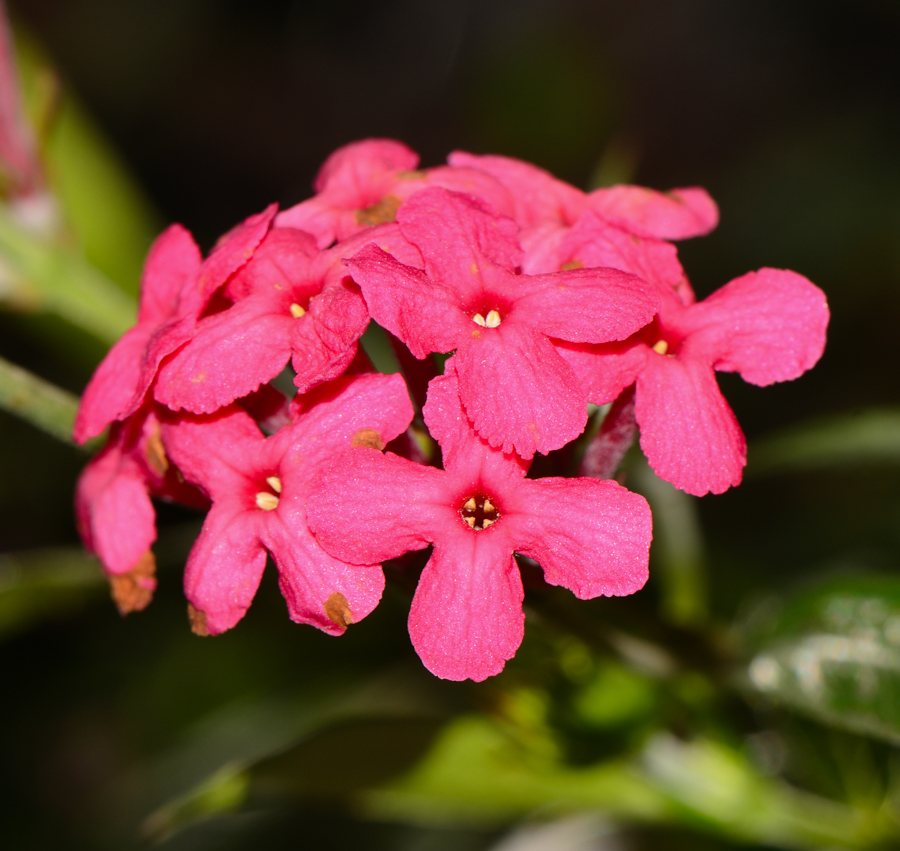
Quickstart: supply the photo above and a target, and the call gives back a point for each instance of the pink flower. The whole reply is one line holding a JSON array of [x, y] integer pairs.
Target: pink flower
[[175, 289], [518, 391], [109, 396], [466, 619], [540, 197], [291, 302], [115, 517], [545, 208], [259, 489], [768, 325], [364, 183], [592, 241]]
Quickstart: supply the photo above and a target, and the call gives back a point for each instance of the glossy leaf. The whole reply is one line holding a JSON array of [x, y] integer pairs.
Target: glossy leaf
[[834, 654]]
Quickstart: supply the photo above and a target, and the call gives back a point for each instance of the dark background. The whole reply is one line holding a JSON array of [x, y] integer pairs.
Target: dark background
[[786, 111]]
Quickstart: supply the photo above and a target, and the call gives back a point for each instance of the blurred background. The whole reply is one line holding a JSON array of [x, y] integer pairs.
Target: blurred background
[[748, 697]]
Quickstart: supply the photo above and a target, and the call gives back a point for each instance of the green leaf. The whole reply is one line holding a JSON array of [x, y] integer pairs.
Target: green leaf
[[214, 768], [834, 654], [481, 772], [865, 437], [102, 203]]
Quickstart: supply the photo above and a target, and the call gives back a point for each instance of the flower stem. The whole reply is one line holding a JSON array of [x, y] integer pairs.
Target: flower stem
[[42, 404]]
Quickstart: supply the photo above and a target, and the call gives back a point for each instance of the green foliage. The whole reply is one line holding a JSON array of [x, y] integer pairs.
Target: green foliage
[[834, 653], [858, 439]]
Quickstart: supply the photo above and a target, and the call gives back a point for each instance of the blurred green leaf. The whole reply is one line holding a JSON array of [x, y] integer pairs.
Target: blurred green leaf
[[44, 405], [45, 583], [678, 548], [37, 272], [865, 437], [834, 653], [109, 213], [103, 204], [481, 772], [259, 740], [614, 695]]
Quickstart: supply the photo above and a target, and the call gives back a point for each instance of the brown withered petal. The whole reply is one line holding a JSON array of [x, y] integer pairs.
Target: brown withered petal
[[380, 213], [198, 621], [133, 591], [368, 437], [156, 453], [338, 610]]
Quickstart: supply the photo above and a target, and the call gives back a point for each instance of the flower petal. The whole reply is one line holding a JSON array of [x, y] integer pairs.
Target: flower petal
[[173, 258], [590, 535], [230, 355], [436, 218], [115, 516], [326, 420], [232, 251], [593, 241], [767, 325], [424, 314], [688, 432], [351, 168], [324, 341], [585, 305], [604, 371], [320, 590], [676, 214], [538, 196], [518, 392], [466, 455], [221, 453], [112, 387], [365, 507], [279, 262], [466, 617], [224, 567]]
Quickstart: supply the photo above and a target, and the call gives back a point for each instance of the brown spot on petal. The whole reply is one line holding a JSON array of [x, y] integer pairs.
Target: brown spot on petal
[[412, 175], [198, 621], [338, 610], [379, 213], [133, 591], [572, 264], [156, 453], [368, 437]]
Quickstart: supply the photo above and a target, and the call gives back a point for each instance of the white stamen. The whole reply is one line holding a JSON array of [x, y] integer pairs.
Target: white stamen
[[489, 506], [661, 347], [492, 320], [470, 505], [470, 521], [297, 311], [487, 522], [478, 319], [275, 483], [266, 501]]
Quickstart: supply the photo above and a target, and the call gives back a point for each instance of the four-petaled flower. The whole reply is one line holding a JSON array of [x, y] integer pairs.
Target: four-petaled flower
[[259, 490], [589, 535], [515, 387], [768, 325]]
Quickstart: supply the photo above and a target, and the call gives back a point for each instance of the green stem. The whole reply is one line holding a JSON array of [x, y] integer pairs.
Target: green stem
[[57, 279], [42, 404]]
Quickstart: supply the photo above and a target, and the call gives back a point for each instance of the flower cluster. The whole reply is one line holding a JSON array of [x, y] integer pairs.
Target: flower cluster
[[547, 297]]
